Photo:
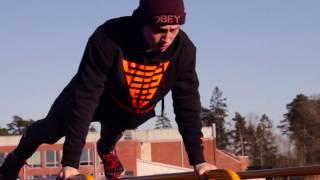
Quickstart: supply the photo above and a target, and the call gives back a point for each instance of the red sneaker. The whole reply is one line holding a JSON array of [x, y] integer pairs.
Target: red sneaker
[[112, 165]]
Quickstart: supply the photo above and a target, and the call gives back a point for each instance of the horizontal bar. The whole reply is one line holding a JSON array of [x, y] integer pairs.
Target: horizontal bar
[[173, 176], [277, 172], [281, 172]]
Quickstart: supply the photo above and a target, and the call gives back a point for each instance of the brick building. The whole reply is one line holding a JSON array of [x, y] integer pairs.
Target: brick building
[[142, 152]]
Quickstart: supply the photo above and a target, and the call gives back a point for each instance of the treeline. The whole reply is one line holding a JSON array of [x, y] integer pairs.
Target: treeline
[[18, 125], [302, 125], [297, 142]]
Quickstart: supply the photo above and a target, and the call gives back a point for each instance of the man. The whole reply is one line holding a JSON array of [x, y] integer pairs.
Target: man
[[129, 64]]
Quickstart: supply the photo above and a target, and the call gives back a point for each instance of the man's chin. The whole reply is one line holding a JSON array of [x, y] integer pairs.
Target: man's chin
[[159, 49], [162, 49]]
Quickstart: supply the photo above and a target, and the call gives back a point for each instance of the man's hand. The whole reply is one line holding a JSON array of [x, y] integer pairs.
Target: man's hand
[[67, 172], [203, 167]]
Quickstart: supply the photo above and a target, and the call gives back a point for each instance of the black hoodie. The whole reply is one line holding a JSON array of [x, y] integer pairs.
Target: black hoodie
[[119, 83]]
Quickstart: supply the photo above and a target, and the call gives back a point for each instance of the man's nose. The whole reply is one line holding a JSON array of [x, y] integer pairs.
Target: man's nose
[[166, 37]]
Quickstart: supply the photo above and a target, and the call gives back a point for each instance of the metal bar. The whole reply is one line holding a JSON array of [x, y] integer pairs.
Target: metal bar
[[218, 174], [174, 176], [281, 172], [278, 172]]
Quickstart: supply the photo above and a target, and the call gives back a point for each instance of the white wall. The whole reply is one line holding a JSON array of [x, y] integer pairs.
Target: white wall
[[150, 168]]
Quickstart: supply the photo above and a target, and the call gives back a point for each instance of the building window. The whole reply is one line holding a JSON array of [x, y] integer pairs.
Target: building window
[[128, 173], [49, 177], [1, 158], [34, 177], [35, 160], [52, 158], [101, 174], [86, 157]]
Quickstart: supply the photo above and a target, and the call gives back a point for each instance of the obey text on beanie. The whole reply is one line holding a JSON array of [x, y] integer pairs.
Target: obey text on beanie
[[163, 12]]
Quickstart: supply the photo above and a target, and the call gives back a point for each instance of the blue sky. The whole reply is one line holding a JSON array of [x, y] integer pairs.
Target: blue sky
[[259, 53]]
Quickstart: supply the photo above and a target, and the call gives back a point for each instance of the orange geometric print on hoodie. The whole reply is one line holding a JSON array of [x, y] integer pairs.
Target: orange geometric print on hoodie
[[143, 81]]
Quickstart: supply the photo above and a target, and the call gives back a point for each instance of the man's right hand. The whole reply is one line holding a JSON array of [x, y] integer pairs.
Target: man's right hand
[[67, 172], [203, 167]]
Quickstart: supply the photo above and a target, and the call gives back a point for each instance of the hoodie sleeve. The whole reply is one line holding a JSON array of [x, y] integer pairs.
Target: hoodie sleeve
[[85, 91], [186, 103]]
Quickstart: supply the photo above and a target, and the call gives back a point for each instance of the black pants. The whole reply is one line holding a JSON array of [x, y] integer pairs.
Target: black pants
[[50, 131]]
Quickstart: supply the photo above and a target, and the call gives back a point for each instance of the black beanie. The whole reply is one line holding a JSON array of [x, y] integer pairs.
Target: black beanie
[[163, 12]]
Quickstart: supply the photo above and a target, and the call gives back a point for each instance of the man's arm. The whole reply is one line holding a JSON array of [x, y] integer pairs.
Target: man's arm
[[85, 91], [186, 101]]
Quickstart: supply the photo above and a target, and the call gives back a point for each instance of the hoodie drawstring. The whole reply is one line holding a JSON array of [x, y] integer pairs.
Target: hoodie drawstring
[[162, 100]]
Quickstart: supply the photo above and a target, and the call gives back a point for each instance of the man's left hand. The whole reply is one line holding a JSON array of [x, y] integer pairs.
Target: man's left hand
[[203, 167]]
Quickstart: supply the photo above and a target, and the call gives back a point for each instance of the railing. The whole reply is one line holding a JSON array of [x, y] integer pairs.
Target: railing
[[173, 176], [281, 172]]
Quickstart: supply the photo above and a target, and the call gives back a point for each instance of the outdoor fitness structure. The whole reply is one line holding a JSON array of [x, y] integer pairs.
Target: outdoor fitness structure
[[225, 174]]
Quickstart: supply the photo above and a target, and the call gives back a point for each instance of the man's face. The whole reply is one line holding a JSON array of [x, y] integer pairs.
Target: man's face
[[160, 37]]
